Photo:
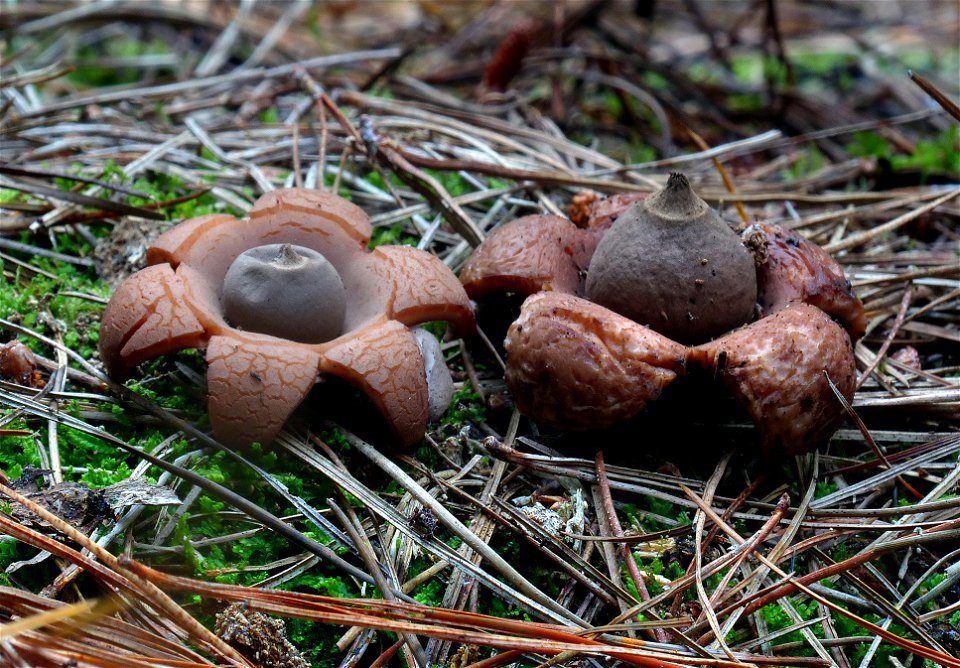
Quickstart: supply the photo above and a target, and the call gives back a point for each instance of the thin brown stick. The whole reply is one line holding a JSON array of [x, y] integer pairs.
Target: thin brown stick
[[898, 321], [866, 434], [625, 553], [801, 585], [140, 588], [938, 95]]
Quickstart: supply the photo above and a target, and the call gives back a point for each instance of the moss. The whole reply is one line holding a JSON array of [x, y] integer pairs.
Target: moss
[[466, 407], [940, 153], [17, 452], [94, 76]]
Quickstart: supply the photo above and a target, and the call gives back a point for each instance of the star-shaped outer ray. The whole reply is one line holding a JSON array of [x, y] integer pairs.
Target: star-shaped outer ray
[[255, 381]]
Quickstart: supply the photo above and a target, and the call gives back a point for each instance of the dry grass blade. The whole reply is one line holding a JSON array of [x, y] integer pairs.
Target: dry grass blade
[[81, 199], [107, 567], [464, 627], [218, 490], [569, 559], [617, 530], [791, 582], [77, 612], [949, 105], [47, 632], [254, 74], [18, 171], [855, 240], [453, 524], [380, 150], [350, 522]]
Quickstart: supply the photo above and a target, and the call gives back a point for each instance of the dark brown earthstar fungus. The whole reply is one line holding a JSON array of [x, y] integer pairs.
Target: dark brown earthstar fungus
[[281, 298], [649, 291]]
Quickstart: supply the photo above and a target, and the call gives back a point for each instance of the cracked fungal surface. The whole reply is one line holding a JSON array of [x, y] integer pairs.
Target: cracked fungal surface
[[780, 320], [261, 368]]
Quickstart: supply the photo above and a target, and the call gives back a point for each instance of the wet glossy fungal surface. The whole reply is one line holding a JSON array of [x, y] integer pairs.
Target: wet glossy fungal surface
[[19, 364], [783, 317], [576, 365], [262, 365]]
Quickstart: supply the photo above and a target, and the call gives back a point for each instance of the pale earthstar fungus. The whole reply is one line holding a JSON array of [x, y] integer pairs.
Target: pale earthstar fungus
[[652, 289], [281, 298]]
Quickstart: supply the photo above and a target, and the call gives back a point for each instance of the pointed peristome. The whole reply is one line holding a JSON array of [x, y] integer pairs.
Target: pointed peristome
[[676, 201]]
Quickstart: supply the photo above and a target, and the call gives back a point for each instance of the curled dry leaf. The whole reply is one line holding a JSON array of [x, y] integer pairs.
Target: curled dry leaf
[[507, 60], [82, 506], [908, 356], [588, 210]]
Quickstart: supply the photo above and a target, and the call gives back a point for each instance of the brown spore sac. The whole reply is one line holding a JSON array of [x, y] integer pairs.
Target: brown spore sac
[[669, 262], [287, 291]]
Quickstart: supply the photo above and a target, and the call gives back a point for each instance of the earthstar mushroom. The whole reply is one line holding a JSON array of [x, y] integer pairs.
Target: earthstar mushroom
[[577, 365], [268, 339]]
